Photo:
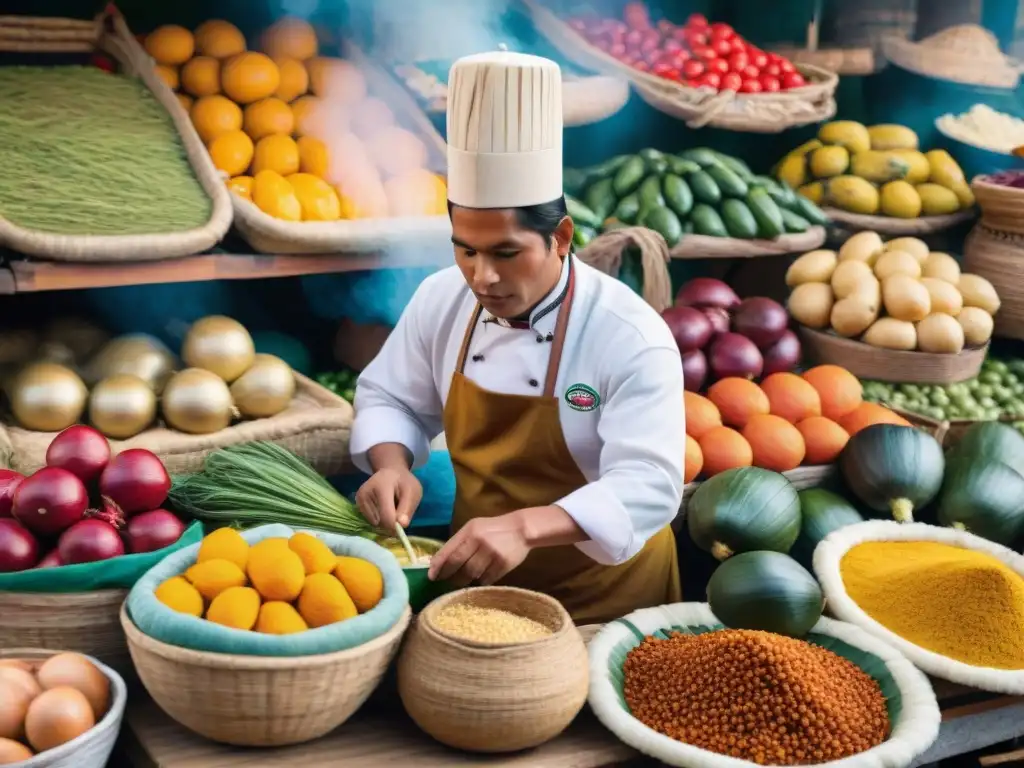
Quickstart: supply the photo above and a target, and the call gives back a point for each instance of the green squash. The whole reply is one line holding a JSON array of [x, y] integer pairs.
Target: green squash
[[893, 469], [768, 591], [989, 441], [821, 513], [985, 498], [742, 510]]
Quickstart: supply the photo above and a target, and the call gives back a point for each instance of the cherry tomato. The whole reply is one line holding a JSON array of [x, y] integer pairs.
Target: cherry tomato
[[679, 59], [758, 58], [649, 46], [674, 74], [786, 66], [642, 66], [693, 69], [697, 20], [731, 81], [661, 68], [793, 80], [750, 86], [750, 72], [696, 38], [738, 61], [711, 79], [671, 46], [703, 52], [723, 31], [770, 84], [721, 47], [772, 69], [618, 50], [634, 37], [718, 66]]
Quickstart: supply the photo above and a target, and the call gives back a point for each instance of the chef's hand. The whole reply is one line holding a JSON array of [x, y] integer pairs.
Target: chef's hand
[[390, 496], [483, 551]]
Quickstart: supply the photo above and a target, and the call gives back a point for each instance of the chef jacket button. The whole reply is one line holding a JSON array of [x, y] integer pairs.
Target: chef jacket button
[[540, 339], [533, 383], [478, 358]]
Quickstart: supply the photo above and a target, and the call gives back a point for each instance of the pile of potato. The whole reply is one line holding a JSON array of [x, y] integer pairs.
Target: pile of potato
[[892, 295]]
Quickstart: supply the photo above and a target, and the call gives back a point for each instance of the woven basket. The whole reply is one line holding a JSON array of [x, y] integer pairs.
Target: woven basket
[[1002, 207], [965, 53], [268, 234], [93, 748], [86, 622], [867, 362], [256, 701], [315, 427], [494, 698], [946, 432], [754, 113], [891, 226], [109, 34], [801, 478], [590, 100], [705, 247], [999, 258]]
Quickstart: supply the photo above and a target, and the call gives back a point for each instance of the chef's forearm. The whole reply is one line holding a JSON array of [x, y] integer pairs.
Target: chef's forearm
[[389, 456], [549, 526]]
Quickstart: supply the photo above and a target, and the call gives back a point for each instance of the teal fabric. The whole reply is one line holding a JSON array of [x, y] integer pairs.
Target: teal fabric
[[119, 573], [158, 621]]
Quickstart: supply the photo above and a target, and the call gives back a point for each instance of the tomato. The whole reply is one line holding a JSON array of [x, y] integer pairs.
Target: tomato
[[671, 46], [703, 52], [786, 65], [721, 47], [693, 69], [793, 80], [719, 66], [758, 58], [731, 81], [662, 68], [738, 61], [649, 46], [642, 66], [770, 84], [750, 86], [697, 20], [618, 50], [772, 69], [710, 79], [636, 16], [696, 37], [722, 31], [750, 72]]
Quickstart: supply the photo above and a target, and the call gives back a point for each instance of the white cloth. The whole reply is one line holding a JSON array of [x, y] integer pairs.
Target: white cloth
[[630, 448]]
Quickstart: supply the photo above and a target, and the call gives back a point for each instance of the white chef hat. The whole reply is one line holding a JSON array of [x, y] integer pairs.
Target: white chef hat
[[504, 130]]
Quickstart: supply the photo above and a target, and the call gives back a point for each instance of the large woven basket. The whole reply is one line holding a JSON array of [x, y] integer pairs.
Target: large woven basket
[[315, 427], [867, 362], [494, 698], [1002, 207], [890, 226], [946, 432], [966, 53], [93, 748], [109, 33], [259, 701], [754, 113], [999, 258], [86, 622]]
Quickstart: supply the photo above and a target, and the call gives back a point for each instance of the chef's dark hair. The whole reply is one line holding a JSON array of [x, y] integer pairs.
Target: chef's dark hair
[[542, 218]]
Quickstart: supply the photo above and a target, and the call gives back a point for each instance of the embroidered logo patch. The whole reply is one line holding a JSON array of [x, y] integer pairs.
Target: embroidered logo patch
[[580, 397]]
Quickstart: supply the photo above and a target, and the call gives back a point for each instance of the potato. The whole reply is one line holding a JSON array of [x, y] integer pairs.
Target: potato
[[813, 267], [945, 297], [868, 292], [890, 333], [978, 292], [941, 334], [852, 316], [977, 324], [849, 276], [941, 265], [905, 298], [864, 246], [916, 248], [897, 263], [810, 304]]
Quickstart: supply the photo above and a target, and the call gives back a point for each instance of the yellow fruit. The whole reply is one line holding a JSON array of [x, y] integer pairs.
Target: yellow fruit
[[815, 192], [178, 595], [318, 199], [315, 555], [237, 607], [853, 194], [937, 200], [214, 116], [249, 77], [275, 197], [266, 117], [336, 80], [806, 148], [241, 186], [412, 194], [314, 157], [362, 580], [224, 544], [878, 167], [201, 76], [793, 170], [396, 151], [211, 577], [964, 194], [169, 75], [310, 115], [219, 39], [888, 136], [828, 162], [291, 38], [185, 100], [294, 79], [170, 45], [268, 546], [276, 575], [277, 152], [918, 169], [277, 618], [324, 601], [232, 152], [944, 169], [371, 115], [846, 133], [900, 200]]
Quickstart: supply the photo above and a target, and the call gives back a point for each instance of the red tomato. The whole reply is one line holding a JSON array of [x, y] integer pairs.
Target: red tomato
[[671, 46], [719, 66], [738, 61], [750, 86], [618, 50], [721, 46], [750, 72], [703, 52], [642, 66], [649, 46], [678, 59], [770, 84], [772, 69], [661, 68], [697, 20], [634, 37], [758, 58], [793, 80], [711, 79], [731, 81], [693, 69], [723, 31], [786, 65], [696, 38]]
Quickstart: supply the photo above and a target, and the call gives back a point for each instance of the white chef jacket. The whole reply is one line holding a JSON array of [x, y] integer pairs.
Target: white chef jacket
[[630, 448]]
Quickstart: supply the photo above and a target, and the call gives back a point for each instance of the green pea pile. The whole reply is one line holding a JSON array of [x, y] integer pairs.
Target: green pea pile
[[997, 392], [341, 383]]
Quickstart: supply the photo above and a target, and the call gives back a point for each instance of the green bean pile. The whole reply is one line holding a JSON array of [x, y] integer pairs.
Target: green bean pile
[[86, 152]]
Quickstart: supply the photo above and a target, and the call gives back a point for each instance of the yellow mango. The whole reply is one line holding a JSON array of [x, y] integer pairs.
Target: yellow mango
[[224, 544], [891, 136], [277, 574], [211, 577], [315, 555], [362, 580], [236, 607], [878, 167], [277, 618], [845, 133], [324, 601], [178, 595]]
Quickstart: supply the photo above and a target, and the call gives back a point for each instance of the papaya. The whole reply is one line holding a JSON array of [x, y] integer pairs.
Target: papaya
[[853, 194], [846, 133], [890, 136], [878, 167], [828, 162]]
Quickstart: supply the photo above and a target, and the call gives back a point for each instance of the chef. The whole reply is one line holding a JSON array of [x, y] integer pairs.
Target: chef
[[559, 391]]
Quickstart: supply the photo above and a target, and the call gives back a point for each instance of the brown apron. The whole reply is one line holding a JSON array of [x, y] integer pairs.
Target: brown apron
[[509, 453]]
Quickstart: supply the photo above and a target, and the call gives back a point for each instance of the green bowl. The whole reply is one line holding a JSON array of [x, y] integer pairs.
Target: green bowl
[[421, 589]]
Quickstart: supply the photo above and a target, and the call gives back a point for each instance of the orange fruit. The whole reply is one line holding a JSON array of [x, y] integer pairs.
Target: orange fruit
[[170, 45], [232, 152], [201, 76], [310, 116], [824, 439], [867, 414], [318, 199], [776, 444], [791, 397], [249, 77], [219, 39], [291, 38], [396, 151], [213, 116], [337, 80], [185, 100], [241, 186], [169, 75], [701, 414], [294, 78], [694, 460], [274, 196], [724, 448], [313, 156], [277, 152], [371, 115], [839, 390], [411, 194], [737, 400], [266, 117]]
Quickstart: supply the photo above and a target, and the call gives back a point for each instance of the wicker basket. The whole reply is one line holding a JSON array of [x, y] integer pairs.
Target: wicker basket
[[893, 227], [86, 622], [705, 247], [258, 701], [867, 362], [966, 53], [754, 113], [801, 478], [315, 427], [494, 698], [93, 748], [1002, 207], [999, 258], [948, 432], [109, 34]]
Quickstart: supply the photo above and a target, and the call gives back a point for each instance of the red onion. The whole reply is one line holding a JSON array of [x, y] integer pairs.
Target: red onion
[[735, 355], [761, 320], [782, 356], [81, 450], [690, 327], [50, 501], [695, 370], [9, 482], [150, 531], [89, 541], [136, 481], [108, 512], [50, 560], [706, 292], [18, 547], [718, 318]]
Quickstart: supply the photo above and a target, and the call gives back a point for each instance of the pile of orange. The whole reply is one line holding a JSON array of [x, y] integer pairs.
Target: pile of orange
[[786, 421], [296, 133]]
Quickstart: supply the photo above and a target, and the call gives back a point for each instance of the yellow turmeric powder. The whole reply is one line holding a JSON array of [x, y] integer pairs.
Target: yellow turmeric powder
[[962, 604]]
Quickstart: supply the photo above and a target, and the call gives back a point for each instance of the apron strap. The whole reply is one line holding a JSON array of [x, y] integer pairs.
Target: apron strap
[[558, 343], [466, 337]]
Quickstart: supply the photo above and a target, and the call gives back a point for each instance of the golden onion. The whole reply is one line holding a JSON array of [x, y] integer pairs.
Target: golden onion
[[121, 406], [47, 397], [81, 336], [265, 389], [137, 355], [219, 344], [197, 401], [17, 346]]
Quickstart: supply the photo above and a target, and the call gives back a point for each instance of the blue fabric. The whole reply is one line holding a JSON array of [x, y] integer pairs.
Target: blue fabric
[[364, 297], [166, 625]]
